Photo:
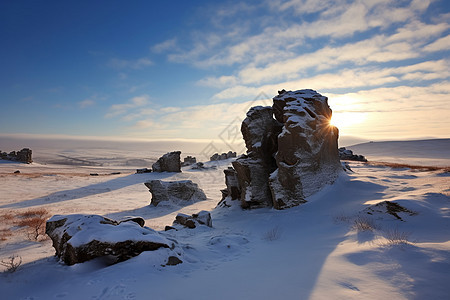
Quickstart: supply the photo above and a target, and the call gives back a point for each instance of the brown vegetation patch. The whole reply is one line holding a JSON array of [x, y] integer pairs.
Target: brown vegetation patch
[[5, 233], [408, 166], [34, 221], [31, 221]]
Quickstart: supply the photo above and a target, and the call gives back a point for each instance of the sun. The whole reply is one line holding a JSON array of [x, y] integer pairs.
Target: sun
[[347, 120]]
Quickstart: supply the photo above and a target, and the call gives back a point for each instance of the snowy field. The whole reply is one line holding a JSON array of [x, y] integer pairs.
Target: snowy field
[[328, 248]]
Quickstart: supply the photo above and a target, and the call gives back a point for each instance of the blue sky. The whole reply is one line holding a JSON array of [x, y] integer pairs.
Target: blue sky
[[182, 69]]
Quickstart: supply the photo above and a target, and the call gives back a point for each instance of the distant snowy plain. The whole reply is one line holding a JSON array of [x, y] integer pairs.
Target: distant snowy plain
[[313, 251]]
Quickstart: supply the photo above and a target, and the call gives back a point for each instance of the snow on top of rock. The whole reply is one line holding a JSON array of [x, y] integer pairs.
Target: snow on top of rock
[[301, 94], [86, 228]]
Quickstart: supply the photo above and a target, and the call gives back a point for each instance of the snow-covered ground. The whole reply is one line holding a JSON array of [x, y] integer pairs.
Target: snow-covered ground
[[434, 152], [313, 251]]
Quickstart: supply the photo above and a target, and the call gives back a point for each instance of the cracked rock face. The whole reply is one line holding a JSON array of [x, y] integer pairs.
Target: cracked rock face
[[260, 131], [291, 156]]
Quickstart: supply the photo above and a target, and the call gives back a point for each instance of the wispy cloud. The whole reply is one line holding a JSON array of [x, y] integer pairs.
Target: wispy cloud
[[169, 44], [139, 63], [125, 108], [86, 103]]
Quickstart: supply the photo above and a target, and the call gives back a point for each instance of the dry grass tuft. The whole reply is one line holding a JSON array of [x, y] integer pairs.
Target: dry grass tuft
[[396, 237], [363, 223], [273, 234]]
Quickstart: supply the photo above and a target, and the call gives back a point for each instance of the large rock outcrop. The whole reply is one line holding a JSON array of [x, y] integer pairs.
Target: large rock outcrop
[[169, 162], [24, 155], [181, 192], [289, 157], [79, 238]]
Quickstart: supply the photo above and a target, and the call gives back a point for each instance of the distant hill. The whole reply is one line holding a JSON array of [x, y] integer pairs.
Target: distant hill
[[423, 152]]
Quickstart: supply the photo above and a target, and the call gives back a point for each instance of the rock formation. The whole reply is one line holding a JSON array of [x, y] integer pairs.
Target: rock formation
[[347, 154], [24, 155], [169, 162], [78, 238], [217, 156], [290, 157], [176, 192]]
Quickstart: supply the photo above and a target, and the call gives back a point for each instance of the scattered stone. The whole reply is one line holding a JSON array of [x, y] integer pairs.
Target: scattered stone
[[143, 170], [79, 238], [189, 160], [346, 166], [24, 155], [167, 228], [115, 173], [94, 174], [173, 261], [347, 154], [137, 220], [169, 162], [17, 172], [223, 156], [390, 208], [201, 166], [201, 218], [177, 192]]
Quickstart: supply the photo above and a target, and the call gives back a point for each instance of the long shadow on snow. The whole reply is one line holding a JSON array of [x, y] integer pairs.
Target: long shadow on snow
[[308, 234], [85, 191], [424, 270], [149, 211]]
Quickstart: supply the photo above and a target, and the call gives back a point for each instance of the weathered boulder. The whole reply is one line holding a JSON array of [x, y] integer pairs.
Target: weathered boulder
[[169, 162], [79, 238], [201, 218], [289, 157], [176, 192]]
